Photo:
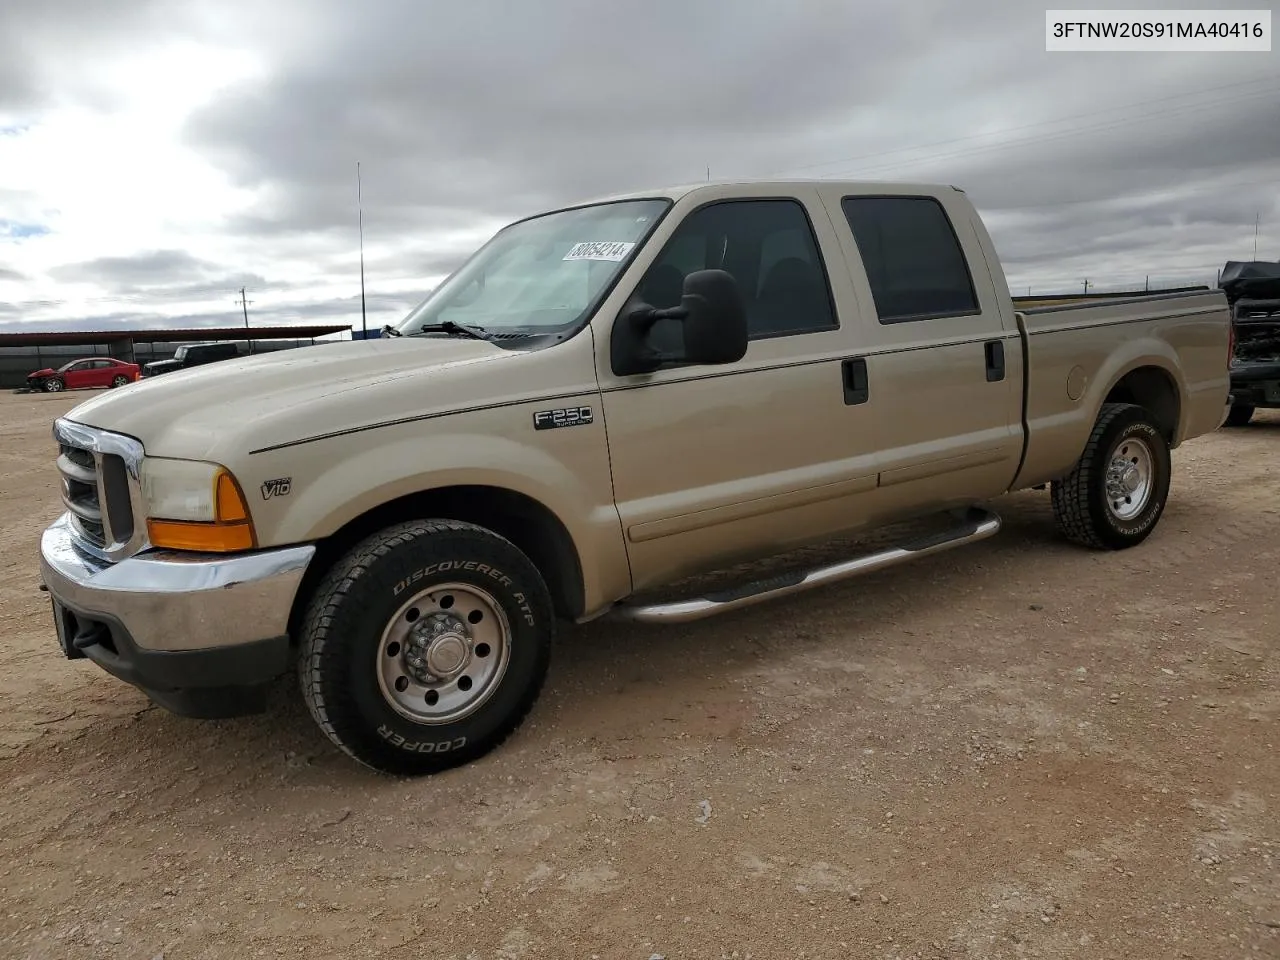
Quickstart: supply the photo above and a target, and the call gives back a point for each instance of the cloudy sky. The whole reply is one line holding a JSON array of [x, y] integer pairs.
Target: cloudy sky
[[158, 155]]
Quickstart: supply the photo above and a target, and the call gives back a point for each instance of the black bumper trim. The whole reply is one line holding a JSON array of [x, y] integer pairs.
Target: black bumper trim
[[212, 683], [1249, 380]]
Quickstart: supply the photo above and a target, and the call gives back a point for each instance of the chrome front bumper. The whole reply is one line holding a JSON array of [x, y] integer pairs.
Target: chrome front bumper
[[170, 602]]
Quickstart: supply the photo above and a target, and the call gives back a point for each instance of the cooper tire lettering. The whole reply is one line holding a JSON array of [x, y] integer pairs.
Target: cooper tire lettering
[[425, 746]]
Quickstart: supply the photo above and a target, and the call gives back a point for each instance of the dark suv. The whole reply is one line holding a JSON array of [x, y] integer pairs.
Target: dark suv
[[1253, 290], [192, 355]]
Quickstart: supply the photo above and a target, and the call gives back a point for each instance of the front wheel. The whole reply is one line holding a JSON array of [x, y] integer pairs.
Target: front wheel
[[1116, 494], [426, 646], [1239, 415], [119, 381], [53, 385]]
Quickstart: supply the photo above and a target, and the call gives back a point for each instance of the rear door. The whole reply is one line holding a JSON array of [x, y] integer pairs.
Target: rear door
[[100, 373], [943, 354], [716, 463]]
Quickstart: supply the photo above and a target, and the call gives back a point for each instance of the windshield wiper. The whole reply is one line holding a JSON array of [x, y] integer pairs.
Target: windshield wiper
[[452, 326]]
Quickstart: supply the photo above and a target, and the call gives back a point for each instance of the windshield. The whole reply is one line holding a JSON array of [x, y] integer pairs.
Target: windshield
[[542, 275], [180, 353]]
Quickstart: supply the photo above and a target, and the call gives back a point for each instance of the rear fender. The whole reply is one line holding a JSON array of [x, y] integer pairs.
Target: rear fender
[[1059, 426]]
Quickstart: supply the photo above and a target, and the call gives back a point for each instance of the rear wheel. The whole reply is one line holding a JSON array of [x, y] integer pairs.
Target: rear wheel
[[426, 646], [1116, 494], [1239, 415], [53, 385]]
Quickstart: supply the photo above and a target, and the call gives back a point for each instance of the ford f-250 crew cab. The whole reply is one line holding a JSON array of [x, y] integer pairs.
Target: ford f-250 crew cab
[[603, 400]]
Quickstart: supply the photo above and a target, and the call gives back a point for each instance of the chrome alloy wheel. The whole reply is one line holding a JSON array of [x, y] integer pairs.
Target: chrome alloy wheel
[[443, 654], [1130, 478]]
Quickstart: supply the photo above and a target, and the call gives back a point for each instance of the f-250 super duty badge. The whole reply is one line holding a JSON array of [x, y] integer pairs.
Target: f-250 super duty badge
[[566, 417]]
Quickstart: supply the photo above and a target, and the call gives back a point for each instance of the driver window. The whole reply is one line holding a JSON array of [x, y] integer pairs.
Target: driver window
[[768, 246]]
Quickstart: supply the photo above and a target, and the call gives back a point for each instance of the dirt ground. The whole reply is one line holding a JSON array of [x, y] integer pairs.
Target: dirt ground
[[1020, 749]]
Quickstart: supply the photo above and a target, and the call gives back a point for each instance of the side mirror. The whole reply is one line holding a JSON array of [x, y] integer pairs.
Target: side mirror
[[714, 320]]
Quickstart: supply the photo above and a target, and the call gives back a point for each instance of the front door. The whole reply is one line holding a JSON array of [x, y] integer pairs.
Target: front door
[[78, 375], [712, 464]]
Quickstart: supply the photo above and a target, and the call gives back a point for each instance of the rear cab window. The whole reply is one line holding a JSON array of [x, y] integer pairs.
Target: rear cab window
[[913, 259]]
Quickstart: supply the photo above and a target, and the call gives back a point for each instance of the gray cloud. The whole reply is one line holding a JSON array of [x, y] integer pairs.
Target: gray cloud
[[163, 277], [557, 104], [468, 112], [225, 287], [143, 269], [14, 275], [48, 48]]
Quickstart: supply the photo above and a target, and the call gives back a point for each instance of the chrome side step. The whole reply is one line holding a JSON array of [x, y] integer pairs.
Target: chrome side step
[[975, 524]]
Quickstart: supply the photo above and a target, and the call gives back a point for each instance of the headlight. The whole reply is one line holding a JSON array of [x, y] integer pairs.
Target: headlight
[[193, 505]]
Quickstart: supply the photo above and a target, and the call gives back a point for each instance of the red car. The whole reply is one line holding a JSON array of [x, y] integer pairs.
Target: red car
[[89, 372]]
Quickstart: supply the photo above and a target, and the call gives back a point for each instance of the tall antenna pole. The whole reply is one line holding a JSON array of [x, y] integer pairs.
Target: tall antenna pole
[[364, 319], [1256, 218], [244, 305]]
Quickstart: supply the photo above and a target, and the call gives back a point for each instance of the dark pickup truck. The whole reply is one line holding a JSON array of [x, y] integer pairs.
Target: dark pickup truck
[[192, 355], [1253, 291]]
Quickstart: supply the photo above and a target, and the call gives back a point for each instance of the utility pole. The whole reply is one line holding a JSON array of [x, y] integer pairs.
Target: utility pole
[[1086, 288], [244, 305], [1256, 219], [364, 319], [1146, 286]]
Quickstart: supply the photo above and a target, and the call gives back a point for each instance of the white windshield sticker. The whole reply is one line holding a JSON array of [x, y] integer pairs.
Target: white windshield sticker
[[599, 250]]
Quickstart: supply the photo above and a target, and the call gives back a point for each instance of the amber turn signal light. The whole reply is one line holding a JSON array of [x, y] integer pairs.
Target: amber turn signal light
[[230, 532]]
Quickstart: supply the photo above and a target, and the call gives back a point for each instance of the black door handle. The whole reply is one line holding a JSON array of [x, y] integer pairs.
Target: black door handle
[[994, 350], [855, 381]]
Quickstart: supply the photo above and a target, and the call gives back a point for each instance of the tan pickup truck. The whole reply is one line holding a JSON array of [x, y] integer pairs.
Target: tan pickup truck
[[602, 401]]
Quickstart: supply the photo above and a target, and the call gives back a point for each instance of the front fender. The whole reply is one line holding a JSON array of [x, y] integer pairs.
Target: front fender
[[349, 488], [334, 481]]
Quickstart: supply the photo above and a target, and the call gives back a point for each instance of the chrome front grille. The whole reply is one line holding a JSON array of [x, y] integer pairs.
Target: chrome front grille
[[101, 488], [80, 492]]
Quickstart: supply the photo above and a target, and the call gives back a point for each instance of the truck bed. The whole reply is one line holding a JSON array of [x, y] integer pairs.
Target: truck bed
[[1065, 372]]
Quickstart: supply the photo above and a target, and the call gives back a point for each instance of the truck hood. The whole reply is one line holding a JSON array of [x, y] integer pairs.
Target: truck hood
[[236, 405]]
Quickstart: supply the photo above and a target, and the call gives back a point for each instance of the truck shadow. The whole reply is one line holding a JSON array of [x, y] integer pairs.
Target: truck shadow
[[1256, 426], [1263, 421], [617, 682]]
